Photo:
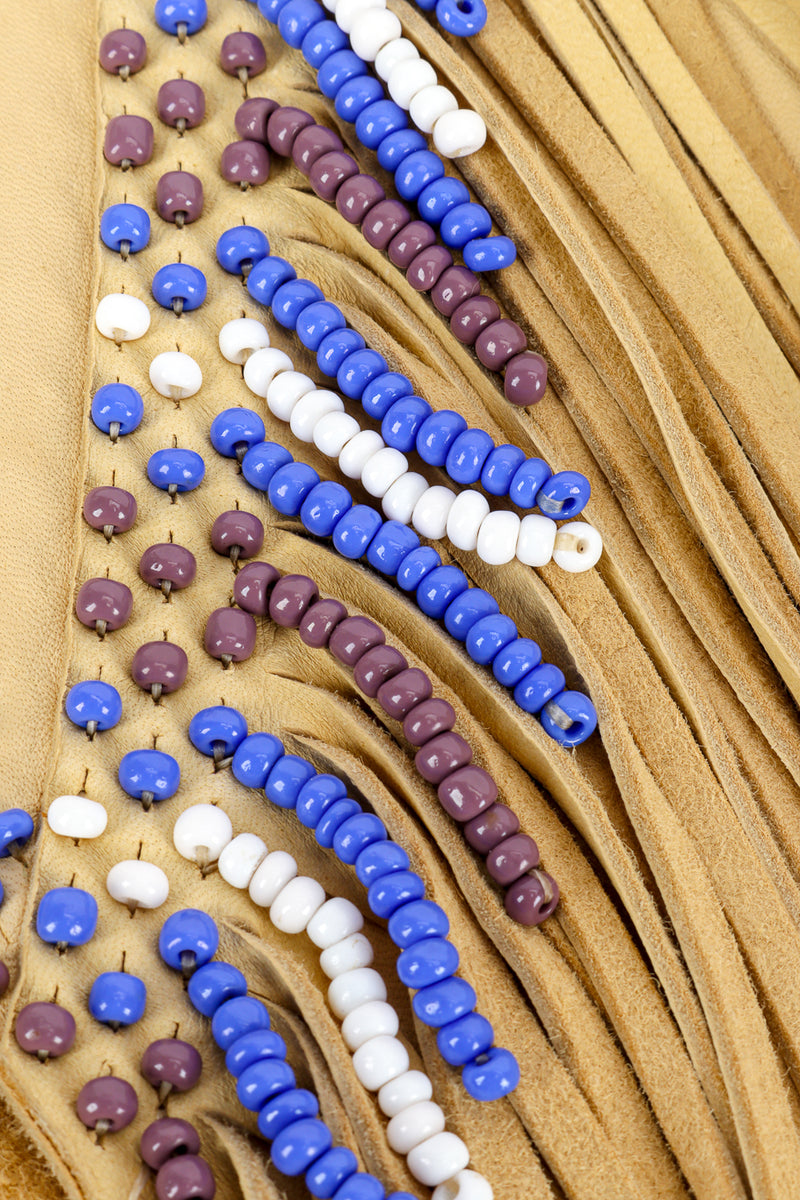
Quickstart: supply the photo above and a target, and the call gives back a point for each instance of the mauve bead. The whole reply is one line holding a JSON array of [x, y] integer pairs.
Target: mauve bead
[[499, 342], [230, 634], [376, 666], [123, 52], [311, 143], [490, 827], [453, 287], [472, 316], [242, 51], [160, 663], [407, 244], [237, 529], [427, 719], [399, 695], [442, 755], [245, 162], [284, 126], [357, 196], [532, 899], [5, 979], [170, 1061], [252, 117], [110, 508], [185, 1178], [104, 600], [426, 268], [384, 221], [181, 104], [291, 598], [168, 1137], [512, 858], [167, 562], [320, 621], [107, 1100], [179, 192], [330, 171], [44, 1029], [252, 587], [467, 792], [128, 139], [525, 379], [353, 637]]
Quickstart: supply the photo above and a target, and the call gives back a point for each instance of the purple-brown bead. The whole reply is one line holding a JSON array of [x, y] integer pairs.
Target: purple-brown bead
[[291, 598], [237, 533], [384, 221], [181, 104], [103, 604], [5, 979], [167, 1138], [230, 635], [245, 163], [442, 755], [525, 380], [405, 691], [427, 720], [46, 1030], [168, 563], [357, 196], [532, 899], [409, 242], [376, 666], [159, 665], [123, 52], [452, 288], [252, 117], [467, 792], [171, 1065], [428, 265], [253, 585], [243, 54], [128, 141], [499, 342], [107, 1104], [283, 127], [185, 1178], [311, 143], [179, 197], [490, 827], [111, 509], [353, 637], [512, 858], [330, 171], [319, 622], [471, 317]]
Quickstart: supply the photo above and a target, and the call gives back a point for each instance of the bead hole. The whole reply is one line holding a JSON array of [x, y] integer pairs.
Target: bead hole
[[464, 6]]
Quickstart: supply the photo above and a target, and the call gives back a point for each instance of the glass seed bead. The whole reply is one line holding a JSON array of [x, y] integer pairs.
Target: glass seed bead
[[335, 347], [488, 636], [285, 1108], [377, 120], [291, 298], [107, 1102], [437, 1159], [332, 818], [382, 390], [459, 133], [489, 253], [356, 94], [466, 610], [245, 162], [299, 1145], [236, 430], [144, 773], [168, 563], [252, 586], [499, 469], [388, 893], [466, 516], [66, 916], [525, 379], [270, 9], [289, 487], [358, 370], [176, 470], [346, 955], [122, 52], [417, 920], [213, 984], [264, 1079], [577, 547], [337, 69], [77, 817], [408, 78], [439, 197], [351, 989], [242, 54], [355, 834], [515, 660], [437, 434], [463, 223], [181, 104], [271, 876], [466, 792], [316, 796], [94, 702], [175, 375], [394, 52], [360, 1186], [215, 729], [296, 903], [383, 222], [375, 666], [323, 507], [254, 758], [187, 1177], [137, 884], [171, 1062], [452, 288], [440, 1003], [414, 1125], [128, 141], [179, 286], [467, 455], [117, 998], [172, 15], [532, 899], [297, 18], [121, 317], [237, 531], [44, 1029], [240, 247], [403, 421], [286, 779], [110, 509], [564, 495], [391, 544], [125, 228], [201, 833], [188, 932], [512, 858], [166, 1138], [397, 146], [355, 530], [541, 684], [103, 604], [262, 462], [117, 404], [337, 919], [321, 41], [416, 171], [498, 536], [251, 118], [376, 1018], [412, 1087], [330, 1171], [464, 1039], [235, 1018], [428, 961], [317, 320], [179, 197], [240, 859], [284, 127], [575, 708], [357, 452], [461, 18], [379, 859], [439, 588], [471, 316], [267, 276], [415, 566], [491, 1075], [251, 1048]]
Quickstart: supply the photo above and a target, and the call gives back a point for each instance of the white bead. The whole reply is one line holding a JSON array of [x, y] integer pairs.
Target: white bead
[[240, 338], [347, 12], [465, 1185], [334, 432], [459, 133], [176, 375], [77, 817], [497, 537], [330, 5], [372, 30], [238, 861], [429, 105], [382, 470], [346, 955], [400, 50], [262, 367], [354, 988], [121, 317], [201, 833], [376, 1018], [432, 510], [578, 546], [401, 499], [407, 1089], [378, 1061], [337, 919], [464, 519], [438, 1159], [309, 411], [271, 876], [138, 884], [354, 455], [285, 391], [537, 537], [295, 904], [413, 1125], [408, 78]]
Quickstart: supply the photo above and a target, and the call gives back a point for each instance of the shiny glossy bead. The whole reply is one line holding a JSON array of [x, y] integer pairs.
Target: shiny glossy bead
[[201, 832], [251, 591], [332, 818], [237, 1017], [416, 171], [336, 919], [46, 1030], [500, 468], [161, 666], [441, 756], [337, 69], [490, 827], [238, 860], [309, 411], [125, 228], [438, 434], [431, 511], [492, 1075], [117, 999], [296, 19], [179, 286], [412, 1087], [296, 903], [355, 834], [128, 141], [353, 637], [75, 817], [391, 891], [357, 452], [230, 635], [335, 347], [323, 507], [329, 1172], [240, 248], [403, 692], [532, 899], [123, 52], [213, 984], [377, 120], [261, 463], [66, 916], [252, 116], [439, 197], [536, 540], [466, 610], [437, 1159], [428, 719], [464, 520], [316, 795], [464, 1185], [391, 544], [137, 884], [103, 604], [319, 622], [439, 588], [488, 636], [107, 1104], [187, 1177], [461, 18], [291, 298], [289, 487], [577, 547], [242, 54], [174, 374], [394, 52], [235, 431], [286, 778], [515, 660], [570, 718], [176, 471], [168, 1138], [271, 876], [285, 1107], [397, 146], [384, 221], [217, 730], [464, 222], [189, 935], [378, 664], [245, 162], [512, 858], [262, 367], [286, 123], [407, 78], [181, 17], [321, 41], [376, 1018], [417, 920], [382, 391], [264, 1079], [181, 104], [472, 316], [121, 317], [459, 133], [317, 320], [525, 378], [466, 792], [413, 569], [429, 105], [297, 1146], [179, 198], [428, 961], [527, 481], [239, 531], [241, 338], [253, 1047], [379, 1060], [378, 859], [350, 12], [541, 684], [413, 1125], [117, 409], [489, 253], [330, 171], [564, 495], [499, 342], [168, 566], [355, 95], [93, 703], [497, 537], [149, 773], [286, 391], [109, 508], [355, 530], [347, 955], [403, 421]]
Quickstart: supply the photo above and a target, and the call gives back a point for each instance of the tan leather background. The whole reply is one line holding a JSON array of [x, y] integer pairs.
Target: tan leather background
[[645, 160]]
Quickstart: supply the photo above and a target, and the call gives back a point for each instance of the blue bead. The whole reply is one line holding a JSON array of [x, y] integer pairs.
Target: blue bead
[[437, 435], [150, 771], [213, 984], [466, 456], [439, 588], [489, 253], [318, 319], [93, 700], [461, 18], [464, 1039], [355, 95], [267, 276], [439, 196], [188, 932], [390, 546], [564, 495], [361, 1186], [492, 1075], [289, 487], [417, 170], [291, 298], [464, 222], [417, 920], [391, 891], [296, 19], [182, 470], [117, 998], [286, 778], [359, 369], [335, 347], [270, 9], [235, 1018], [500, 468], [300, 1144], [355, 834], [580, 711], [330, 1171], [332, 818], [440, 1003], [403, 422], [117, 402], [398, 145], [217, 729], [285, 1108], [538, 686], [66, 915], [337, 69], [356, 529], [400, 1196], [379, 859], [179, 283], [415, 566], [378, 120], [323, 506], [382, 391], [170, 14], [242, 245], [515, 659], [527, 480], [316, 796], [426, 962], [253, 1047], [322, 41], [262, 461], [125, 223], [262, 1080], [236, 428], [466, 610], [488, 636]]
